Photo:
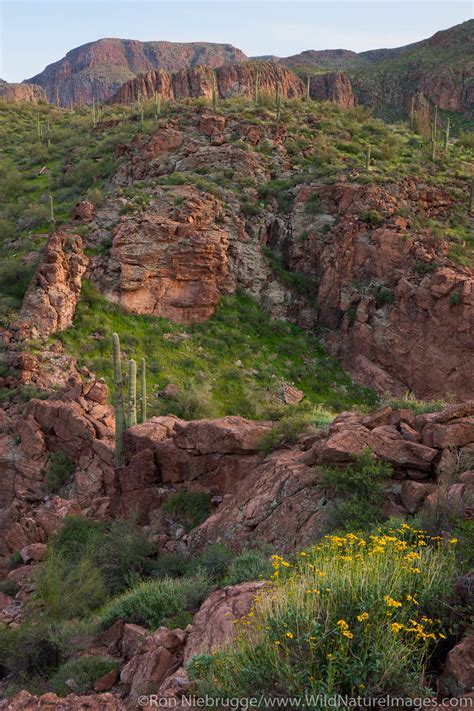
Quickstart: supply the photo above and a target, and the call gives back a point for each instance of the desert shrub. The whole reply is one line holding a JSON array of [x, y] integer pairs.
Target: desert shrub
[[350, 613], [190, 508], [213, 561], [9, 587], [192, 402], [466, 139], [59, 471], [372, 218], [14, 278], [28, 651], [69, 590], [383, 296], [359, 489], [34, 216], [14, 560], [78, 675], [123, 556], [152, 602], [287, 431], [77, 538], [249, 565], [173, 565], [11, 181], [455, 298], [7, 229], [313, 204]]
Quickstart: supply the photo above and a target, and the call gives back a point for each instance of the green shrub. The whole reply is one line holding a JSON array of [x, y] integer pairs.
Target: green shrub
[[67, 591], [173, 565], [249, 565], [9, 587], [77, 538], [14, 560], [78, 675], [28, 651], [351, 615], [192, 402], [287, 431], [58, 472], [464, 532], [213, 561], [151, 603], [455, 298], [383, 296], [359, 488], [123, 556], [373, 218], [188, 508]]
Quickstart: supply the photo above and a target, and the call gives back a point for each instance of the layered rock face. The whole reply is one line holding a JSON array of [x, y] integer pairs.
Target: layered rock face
[[50, 302], [396, 329], [335, 87], [230, 80], [22, 93], [96, 70]]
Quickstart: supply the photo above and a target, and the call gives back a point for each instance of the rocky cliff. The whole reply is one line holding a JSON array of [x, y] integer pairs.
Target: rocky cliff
[[230, 80], [97, 69], [18, 93]]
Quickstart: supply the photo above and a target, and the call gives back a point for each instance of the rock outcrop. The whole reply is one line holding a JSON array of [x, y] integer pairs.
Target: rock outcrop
[[97, 69], [399, 329], [335, 87], [22, 93], [50, 301], [230, 80], [24, 701]]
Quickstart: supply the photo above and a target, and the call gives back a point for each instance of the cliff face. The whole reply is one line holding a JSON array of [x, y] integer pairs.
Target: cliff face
[[17, 93], [96, 70], [231, 80], [334, 86]]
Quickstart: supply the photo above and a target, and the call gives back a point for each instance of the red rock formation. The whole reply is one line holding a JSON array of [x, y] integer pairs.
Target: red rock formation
[[231, 80], [22, 93], [98, 69], [50, 302], [335, 87], [419, 339]]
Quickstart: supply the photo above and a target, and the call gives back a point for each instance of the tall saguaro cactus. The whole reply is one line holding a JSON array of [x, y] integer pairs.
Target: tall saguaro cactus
[[412, 114], [118, 398], [308, 87], [132, 393], [471, 198], [446, 135], [214, 92], [367, 158], [142, 390]]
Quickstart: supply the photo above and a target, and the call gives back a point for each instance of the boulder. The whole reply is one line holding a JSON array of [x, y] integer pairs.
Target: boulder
[[34, 553], [107, 681], [214, 625], [413, 493], [458, 673]]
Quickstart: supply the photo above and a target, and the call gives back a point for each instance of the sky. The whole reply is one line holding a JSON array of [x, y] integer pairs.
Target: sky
[[34, 33]]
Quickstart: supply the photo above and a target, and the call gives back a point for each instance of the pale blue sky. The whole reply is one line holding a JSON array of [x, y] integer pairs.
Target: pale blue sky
[[34, 33]]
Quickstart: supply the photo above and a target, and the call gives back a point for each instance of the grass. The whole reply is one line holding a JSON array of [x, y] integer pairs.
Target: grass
[[188, 508], [202, 359], [59, 472], [351, 615]]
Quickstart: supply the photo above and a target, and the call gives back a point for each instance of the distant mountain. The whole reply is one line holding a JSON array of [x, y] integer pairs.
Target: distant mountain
[[28, 93], [441, 67], [98, 69]]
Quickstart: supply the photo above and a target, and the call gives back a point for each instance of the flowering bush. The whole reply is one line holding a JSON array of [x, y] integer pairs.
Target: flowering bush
[[352, 615]]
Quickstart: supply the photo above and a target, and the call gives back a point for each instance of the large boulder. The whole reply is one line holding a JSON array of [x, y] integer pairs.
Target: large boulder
[[214, 625], [458, 673]]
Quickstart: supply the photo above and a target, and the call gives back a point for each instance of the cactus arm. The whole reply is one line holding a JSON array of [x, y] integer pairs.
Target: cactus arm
[[132, 393], [118, 400]]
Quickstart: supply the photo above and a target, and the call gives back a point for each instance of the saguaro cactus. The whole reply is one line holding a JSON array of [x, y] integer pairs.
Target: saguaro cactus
[[367, 158], [255, 86], [471, 198], [433, 148], [118, 400], [132, 393], [446, 135], [157, 98], [308, 87], [435, 123], [51, 209], [142, 390]]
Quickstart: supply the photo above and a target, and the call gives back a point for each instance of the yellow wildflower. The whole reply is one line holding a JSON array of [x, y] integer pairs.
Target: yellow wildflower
[[364, 616], [390, 602]]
